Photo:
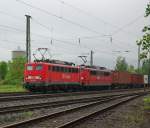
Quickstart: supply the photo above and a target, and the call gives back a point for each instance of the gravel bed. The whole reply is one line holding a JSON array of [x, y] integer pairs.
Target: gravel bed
[[20, 116], [129, 115], [53, 99], [53, 123], [13, 117], [44, 100]]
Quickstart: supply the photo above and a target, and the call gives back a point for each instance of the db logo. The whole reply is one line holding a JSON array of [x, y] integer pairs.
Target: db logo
[[98, 77], [64, 76]]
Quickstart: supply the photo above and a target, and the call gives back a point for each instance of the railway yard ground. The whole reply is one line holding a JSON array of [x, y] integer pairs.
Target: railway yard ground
[[130, 115], [11, 88], [103, 109]]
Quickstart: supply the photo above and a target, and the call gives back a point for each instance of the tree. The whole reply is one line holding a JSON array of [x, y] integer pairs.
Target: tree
[[131, 69], [144, 42], [121, 64], [3, 70], [15, 72], [145, 68]]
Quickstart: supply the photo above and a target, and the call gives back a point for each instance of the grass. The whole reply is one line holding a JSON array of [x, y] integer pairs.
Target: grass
[[147, 103], [16, 117], [11, 88], [135, 117]]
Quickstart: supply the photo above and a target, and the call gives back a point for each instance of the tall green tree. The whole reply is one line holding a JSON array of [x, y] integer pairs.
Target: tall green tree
[[145, 68], [15, 72], [144, 42], [121, 64], [3, 70]]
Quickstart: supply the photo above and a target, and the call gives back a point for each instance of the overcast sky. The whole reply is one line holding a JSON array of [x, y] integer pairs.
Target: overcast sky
[[108, 27]]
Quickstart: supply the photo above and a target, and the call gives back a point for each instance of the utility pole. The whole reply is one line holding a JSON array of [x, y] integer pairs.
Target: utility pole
[[139, 57], [28, 45], [91, 60]]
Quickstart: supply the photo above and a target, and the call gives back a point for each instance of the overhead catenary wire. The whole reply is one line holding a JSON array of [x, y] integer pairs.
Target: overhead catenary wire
[[86, 12], [109, 36], [128, 24], [11, 15], [12, 28], [58, 17], [81, 38], [54, 39], [118, 29], [85, 37], [44, 26]]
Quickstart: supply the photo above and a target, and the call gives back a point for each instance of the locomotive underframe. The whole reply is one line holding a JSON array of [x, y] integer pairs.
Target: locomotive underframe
[[54, 87]]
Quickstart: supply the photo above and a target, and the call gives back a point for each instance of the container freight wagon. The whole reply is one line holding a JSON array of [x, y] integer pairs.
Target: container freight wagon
[[120, 79], [126, 80], [137, 80]]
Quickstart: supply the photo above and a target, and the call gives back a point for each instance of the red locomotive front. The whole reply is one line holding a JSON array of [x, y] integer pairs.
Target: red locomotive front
[[49, 76]]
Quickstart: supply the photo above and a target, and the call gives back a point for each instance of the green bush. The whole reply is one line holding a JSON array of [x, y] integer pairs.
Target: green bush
[[15, 71]]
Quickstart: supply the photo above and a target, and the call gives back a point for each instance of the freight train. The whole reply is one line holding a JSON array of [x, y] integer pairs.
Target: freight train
[[54, 75]]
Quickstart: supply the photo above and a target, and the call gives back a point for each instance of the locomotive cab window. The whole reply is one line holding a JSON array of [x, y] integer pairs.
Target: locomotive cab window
[[106, 73], [54, 68], [62, 69], [101, 73], [75, 70], [29, 67], [57, 68], [70, 70], [93, 72], [66, 70], [49, 68], [39, 67]]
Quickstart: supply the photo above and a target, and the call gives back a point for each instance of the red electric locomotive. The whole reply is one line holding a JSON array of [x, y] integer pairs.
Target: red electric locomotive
[[93, 77], [41, 76]]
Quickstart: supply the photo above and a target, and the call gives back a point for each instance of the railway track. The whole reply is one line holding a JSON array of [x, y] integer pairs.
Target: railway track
[[15, 94], [21, 96], [20, 108], [44, 99], [72, 116]]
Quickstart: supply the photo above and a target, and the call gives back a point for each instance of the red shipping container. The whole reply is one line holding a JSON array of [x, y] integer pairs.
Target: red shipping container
[[119, 77], [137, 79]]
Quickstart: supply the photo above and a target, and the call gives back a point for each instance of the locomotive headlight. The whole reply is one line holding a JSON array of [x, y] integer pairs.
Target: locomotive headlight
[[82, 78], [38, 77], [34, 77], [29, 77]]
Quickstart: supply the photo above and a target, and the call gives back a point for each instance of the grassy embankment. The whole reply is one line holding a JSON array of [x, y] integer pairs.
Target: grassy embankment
[[147, 103], [11, 88]]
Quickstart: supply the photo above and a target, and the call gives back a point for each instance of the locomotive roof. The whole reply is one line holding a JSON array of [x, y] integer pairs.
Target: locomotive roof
[[55, 64], [96, 68]]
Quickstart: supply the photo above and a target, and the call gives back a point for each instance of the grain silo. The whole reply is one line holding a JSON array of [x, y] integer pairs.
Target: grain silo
[[18, 53]]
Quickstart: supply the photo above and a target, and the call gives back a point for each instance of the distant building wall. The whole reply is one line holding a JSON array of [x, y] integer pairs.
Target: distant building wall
[[17, 54]]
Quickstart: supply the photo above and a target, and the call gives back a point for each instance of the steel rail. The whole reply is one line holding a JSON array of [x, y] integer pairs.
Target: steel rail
[[90, 115], [35, 96], [19, 108]]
